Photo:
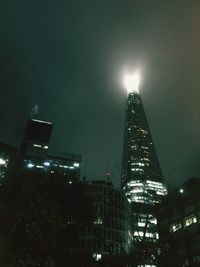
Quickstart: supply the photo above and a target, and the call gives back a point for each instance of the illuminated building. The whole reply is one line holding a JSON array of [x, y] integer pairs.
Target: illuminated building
[[65, 164], [7, 154], [141, 178], [109, 233], [35, 157], [179, 224]]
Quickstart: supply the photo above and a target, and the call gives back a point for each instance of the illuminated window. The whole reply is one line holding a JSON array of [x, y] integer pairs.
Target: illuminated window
[[46, 163], [137, 164], [39, 167], [97, 256], [190, 220], [141, 224], [153, 220], [157, 235], [76, 164], [137, 169], [141, 234], [71, 167], [2, 161], [149, 235], [138, 233], [98, 221], [175, 227], [30, 165], [36, 145]]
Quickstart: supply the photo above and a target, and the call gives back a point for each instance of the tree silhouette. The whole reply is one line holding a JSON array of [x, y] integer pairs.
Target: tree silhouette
[[40, 220]]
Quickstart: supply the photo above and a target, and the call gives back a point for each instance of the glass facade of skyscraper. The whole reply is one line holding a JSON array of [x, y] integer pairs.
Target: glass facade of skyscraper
[[141, 174], [141, 177]]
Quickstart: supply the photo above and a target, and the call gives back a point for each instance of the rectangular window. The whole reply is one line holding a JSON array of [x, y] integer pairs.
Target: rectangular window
[[190, 220], [175, 227]]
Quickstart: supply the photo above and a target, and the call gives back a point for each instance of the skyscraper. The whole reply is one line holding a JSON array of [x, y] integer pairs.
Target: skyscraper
[[141, 179]]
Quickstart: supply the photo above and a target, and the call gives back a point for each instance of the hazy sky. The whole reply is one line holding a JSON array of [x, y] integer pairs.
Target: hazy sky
[[69, 57]]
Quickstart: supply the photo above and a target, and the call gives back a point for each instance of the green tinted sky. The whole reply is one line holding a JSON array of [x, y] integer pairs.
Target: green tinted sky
[[69, 58]]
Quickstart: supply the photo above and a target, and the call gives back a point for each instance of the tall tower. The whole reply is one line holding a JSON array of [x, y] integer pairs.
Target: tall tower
[[141, 178]]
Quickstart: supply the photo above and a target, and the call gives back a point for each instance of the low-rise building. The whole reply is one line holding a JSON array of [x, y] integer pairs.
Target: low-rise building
[[108, 235], [65, 164], [179, 225]]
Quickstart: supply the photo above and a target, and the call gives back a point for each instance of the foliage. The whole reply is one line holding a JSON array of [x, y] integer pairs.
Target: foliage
[[40, 220]]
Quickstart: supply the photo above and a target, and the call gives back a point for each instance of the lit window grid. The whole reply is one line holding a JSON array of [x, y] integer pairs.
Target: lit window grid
[[145, 220], [147, 265], [192, 219], [147, 234], [175, 227], [51, 164], [138, 191], [189, 220], [4, 162]]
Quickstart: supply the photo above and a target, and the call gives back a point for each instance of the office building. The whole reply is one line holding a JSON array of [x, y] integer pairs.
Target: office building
[[141, 177], [108, 235], [65, 164], [179, 226]]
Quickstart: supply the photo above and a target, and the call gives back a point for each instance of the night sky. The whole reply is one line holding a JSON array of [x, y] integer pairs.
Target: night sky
[[69, 58]]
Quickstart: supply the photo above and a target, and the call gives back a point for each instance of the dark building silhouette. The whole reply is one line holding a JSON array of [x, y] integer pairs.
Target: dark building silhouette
[[7, 155], [179, 225], [36, 140], [141, 177], [34, 153], [65, 164], [108, 235]]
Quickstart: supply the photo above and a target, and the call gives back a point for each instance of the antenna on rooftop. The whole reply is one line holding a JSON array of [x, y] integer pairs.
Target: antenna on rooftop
[[34, 111]]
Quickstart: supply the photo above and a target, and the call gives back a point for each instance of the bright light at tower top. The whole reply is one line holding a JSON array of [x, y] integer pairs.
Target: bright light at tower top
[[132, 83]]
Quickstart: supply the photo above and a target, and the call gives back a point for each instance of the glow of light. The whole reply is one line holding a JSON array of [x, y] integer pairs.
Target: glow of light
[[39, 167], [36, 145], [97, 256], [131, 82], [30, 165], [46, 163], [76, 164], [2, 161], [141, 224], [41, 121]]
